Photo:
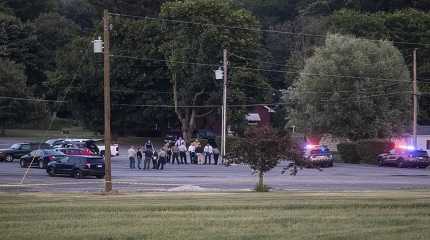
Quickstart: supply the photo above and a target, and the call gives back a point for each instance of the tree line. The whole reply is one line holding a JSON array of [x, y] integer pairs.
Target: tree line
[[47, 54]]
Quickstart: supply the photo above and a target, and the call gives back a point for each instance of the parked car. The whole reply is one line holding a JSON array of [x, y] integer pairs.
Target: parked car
[[402, 157], [40, 158], [318, 156], [75, 151], [17, 150], [77, 166]]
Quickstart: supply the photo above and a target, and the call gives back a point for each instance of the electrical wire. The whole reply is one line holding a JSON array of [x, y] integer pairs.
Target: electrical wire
[[30, 99], [254, 29]]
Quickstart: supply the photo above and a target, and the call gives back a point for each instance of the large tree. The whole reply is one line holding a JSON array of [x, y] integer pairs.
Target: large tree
[[28, 10], [12, 86], [202, 42], [352, 88]]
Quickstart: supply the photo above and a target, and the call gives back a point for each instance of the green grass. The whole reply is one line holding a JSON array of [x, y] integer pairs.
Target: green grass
[[382, 215]]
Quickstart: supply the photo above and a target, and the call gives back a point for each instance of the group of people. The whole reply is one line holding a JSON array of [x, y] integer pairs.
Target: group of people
[[172, 152]]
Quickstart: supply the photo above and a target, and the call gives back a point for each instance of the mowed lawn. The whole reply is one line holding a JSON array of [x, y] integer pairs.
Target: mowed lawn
[[284, 215]]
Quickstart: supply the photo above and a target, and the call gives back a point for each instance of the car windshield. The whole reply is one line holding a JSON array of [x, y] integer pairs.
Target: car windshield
[[320, 152], [15, 146], [419, 154]]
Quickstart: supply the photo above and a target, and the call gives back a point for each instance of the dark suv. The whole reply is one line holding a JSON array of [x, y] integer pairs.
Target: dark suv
[[17, 150], [78, 166], [40, 158]]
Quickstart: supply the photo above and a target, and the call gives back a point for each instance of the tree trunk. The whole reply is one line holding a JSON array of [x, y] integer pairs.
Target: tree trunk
[[260, 186], [2, 132]]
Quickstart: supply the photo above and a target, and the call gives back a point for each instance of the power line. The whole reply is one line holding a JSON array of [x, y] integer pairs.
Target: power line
[[31, 99], [166, 61], [254, 29], [321, 75], [258, 69]]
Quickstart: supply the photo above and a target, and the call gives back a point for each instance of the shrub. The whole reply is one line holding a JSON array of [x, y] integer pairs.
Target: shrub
[[348, 152], [369, 149]]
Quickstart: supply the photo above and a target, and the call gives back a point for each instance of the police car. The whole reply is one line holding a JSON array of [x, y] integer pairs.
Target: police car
[[404, 156], [318, 156]]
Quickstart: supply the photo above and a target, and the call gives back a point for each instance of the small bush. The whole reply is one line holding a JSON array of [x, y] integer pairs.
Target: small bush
[[348, 152], [369, 149]]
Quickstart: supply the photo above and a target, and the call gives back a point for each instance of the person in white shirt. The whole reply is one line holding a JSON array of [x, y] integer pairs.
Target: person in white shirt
[[208, 153], [132, 157], [192, 151]]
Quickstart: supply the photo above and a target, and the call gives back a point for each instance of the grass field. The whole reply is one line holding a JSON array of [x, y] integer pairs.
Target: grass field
[[382, 215]]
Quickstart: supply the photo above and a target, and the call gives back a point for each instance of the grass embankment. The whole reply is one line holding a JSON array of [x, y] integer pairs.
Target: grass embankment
[[384, 215]]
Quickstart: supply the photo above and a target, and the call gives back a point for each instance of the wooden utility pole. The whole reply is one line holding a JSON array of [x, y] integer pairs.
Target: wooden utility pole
[[414, 82], [224, 106], [107, 109]]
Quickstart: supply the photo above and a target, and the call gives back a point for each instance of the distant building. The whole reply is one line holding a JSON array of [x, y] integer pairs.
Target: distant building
[[261, 116]]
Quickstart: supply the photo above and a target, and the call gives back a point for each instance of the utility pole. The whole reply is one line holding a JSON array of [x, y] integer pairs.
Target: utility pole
[[224, 106], [107, 109], [415, 98]]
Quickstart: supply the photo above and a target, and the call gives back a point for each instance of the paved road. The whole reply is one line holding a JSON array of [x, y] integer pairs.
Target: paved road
[[342, 177]]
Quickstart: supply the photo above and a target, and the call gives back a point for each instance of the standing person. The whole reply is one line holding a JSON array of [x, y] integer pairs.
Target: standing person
[[175, 155], [200, 157], [192, 151], [149, 146], [148, 159], [208, 150], [216, 155], [132, 157], [154, 160], [169, 152], [162, 154], [139, 157], [183, 153], [179, 142]]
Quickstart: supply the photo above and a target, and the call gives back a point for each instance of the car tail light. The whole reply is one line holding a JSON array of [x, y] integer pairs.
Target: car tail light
[[51, 158]]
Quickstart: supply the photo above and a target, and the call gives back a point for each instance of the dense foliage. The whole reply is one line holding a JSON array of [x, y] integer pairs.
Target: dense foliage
[[50, 41]]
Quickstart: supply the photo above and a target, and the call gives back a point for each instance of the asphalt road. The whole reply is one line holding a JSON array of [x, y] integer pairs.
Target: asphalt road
[[342, 177]]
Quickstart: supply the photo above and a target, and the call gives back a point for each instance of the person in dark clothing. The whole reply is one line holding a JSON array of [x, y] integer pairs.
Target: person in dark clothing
[[169, 153], [147, 160], [154, 160], [216, 155], [183, 154], [139, 157]]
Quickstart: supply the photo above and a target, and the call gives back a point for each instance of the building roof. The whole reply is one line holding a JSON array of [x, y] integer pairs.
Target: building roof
[[253, 117], [423, 130]]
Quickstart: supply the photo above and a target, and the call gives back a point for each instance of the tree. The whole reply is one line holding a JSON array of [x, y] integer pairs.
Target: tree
[[262, 149], [28, 10], [352, 88], [193, 84], [135, 7], [81, 12], [12, 84]]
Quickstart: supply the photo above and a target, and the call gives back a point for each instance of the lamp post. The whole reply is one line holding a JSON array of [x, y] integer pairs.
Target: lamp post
[[222, 74]]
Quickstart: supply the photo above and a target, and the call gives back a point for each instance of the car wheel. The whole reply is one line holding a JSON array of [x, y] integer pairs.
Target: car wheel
[[22, 163], [77, 174], [400, 163], [100, 176], [41, 164], [51, 171], [9, 158]]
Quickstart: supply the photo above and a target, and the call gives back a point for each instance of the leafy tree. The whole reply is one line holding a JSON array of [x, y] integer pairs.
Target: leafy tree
[[195, 85], [405, 27], [81, 12], [28, 10], [12, 84], [133, 81], [136, 7], [262, 149], [375, 102]]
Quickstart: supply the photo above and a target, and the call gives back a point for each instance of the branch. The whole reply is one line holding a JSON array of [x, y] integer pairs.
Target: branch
[[204, 114], [198, 94]]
